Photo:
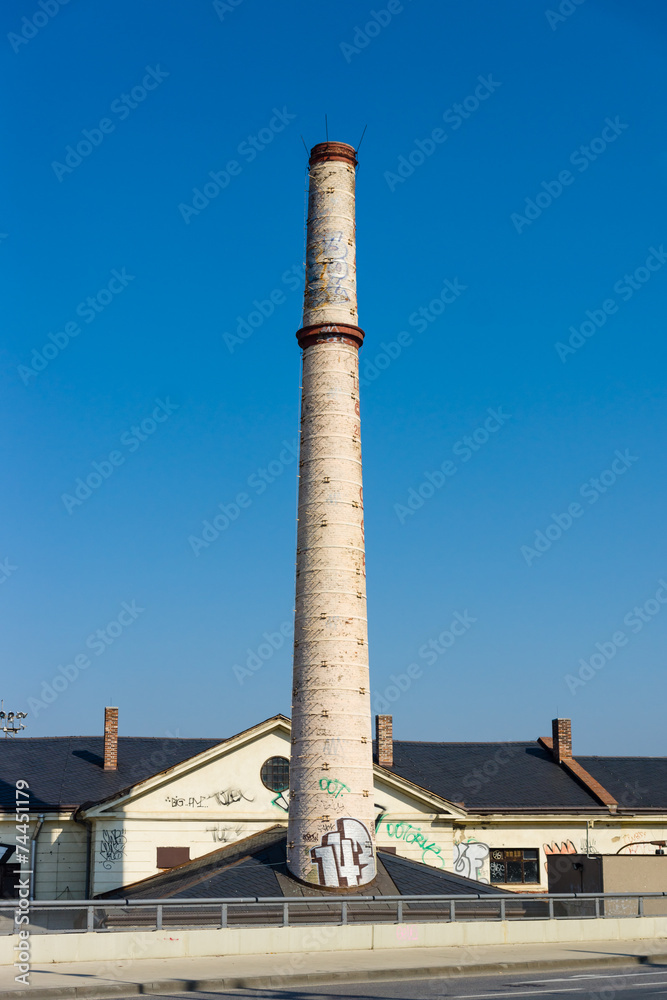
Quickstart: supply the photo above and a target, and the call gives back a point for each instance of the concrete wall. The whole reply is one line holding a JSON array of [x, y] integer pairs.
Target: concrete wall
[[635, 874], [282, 941]]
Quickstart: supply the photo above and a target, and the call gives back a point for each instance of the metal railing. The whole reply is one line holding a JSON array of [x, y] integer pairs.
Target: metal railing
[[104, 915]]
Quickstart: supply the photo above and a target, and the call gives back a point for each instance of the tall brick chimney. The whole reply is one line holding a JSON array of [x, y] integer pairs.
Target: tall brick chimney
[[331, 840], [562, 737], [385, 740], [110, 739]]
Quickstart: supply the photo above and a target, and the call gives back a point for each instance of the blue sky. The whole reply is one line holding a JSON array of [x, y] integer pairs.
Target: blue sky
[[513, 173]]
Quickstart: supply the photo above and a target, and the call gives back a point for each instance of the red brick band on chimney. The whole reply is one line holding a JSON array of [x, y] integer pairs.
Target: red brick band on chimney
[[333, 151], [340, 332], [110, 739]]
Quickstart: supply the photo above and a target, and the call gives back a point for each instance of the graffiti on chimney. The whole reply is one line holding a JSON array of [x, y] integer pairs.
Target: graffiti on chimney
[[344, 854], [412, 835], [334, 786], [281, 801], [227, 796], [469, 858], [332, 747], [177, 801], [222, 833], [112, 847]]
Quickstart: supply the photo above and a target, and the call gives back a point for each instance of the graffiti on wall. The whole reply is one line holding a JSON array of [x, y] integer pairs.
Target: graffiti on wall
[[222, 833], [344, 855], [112, 847], [282, 801], [412, 835], [469, 858], [193, 802], [228, 796], [566, 847], [635, 848]]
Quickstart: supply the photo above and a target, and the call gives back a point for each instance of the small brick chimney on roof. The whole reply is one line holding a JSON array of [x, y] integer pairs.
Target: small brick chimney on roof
[[110, 739], [385, 740], [562, 737]]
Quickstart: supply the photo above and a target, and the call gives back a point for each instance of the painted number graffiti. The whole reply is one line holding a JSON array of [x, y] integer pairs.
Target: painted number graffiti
[[112, 847], [413, 835], [469, 858], [344, 855], [333, 786]]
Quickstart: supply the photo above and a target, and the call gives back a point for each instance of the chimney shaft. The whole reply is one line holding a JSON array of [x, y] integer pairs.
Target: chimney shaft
[[110, 739], [385, 740], [331, 816], [562, 739]]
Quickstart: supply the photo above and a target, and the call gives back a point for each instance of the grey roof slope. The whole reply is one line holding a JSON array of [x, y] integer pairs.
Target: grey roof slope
[[635, 782], [517, 775], [255, 866], [65, 771]]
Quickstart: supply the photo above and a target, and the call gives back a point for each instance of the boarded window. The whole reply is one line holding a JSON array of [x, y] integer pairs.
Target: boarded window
[[169, 857]]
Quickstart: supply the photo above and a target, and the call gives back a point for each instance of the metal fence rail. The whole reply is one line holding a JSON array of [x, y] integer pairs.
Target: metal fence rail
[[104, 915]]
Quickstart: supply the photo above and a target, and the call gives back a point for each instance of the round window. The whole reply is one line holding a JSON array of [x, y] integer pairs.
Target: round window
[[275, 773]]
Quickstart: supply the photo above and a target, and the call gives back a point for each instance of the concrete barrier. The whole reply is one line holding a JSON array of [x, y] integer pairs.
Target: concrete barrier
[[116, 946]]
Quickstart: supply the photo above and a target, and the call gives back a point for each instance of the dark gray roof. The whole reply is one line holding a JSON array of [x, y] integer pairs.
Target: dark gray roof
[[635, 782], [65, 771], [255, 866], [491, 775]]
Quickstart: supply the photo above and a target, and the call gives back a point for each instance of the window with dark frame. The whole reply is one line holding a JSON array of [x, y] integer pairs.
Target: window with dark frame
[[275, 774], [514, 865]]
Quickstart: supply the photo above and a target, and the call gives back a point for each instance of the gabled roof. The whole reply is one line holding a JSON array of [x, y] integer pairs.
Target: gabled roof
[[256, 866], [635, 782], [64, 771], [67, 772], [501, 776]]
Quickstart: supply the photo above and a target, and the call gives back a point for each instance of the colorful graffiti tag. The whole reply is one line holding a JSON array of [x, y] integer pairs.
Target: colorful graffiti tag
[[413, 835]]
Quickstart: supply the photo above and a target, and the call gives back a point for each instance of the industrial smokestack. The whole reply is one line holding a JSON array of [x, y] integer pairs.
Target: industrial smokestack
[[330, 839]]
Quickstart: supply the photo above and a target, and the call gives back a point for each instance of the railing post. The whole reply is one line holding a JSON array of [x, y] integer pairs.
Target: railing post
[[223, 915], [399, 912], [158, 917], [90, 919], [597, 906], [502, 909], [452, 910], [343, 912], [640, 907], [285, 914], [551, 909]]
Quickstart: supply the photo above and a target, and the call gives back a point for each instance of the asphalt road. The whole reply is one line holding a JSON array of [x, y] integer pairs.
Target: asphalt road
[[617, 984]]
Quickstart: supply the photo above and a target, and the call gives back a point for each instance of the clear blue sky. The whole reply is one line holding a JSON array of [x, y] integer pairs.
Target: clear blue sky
[[539, 199]]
